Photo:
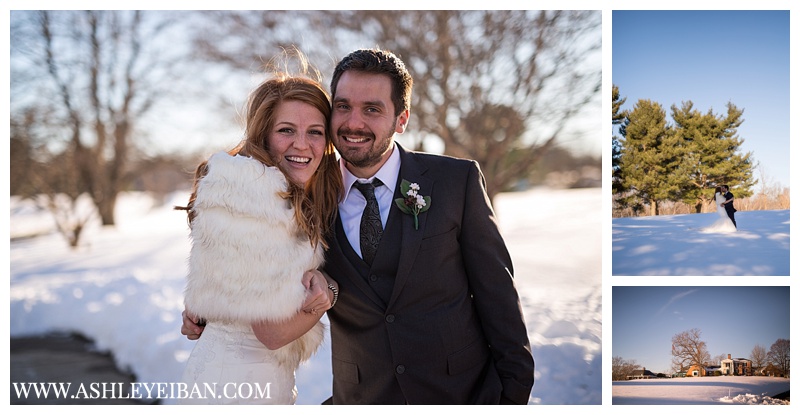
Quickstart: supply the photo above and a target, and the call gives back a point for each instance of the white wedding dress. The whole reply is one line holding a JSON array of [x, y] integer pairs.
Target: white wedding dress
[[723, 224], [246, 264], [230, 366]]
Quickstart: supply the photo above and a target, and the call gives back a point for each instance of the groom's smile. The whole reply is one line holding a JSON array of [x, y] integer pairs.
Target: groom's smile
[[364, 122]]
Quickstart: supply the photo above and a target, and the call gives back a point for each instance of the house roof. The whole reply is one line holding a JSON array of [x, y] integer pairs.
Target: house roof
[[736, 359]]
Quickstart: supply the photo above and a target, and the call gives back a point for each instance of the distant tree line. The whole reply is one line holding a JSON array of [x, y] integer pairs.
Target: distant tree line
[[622, 369], [81, 82], [688, 349], [496, 86], [655, 161], [499, 87]]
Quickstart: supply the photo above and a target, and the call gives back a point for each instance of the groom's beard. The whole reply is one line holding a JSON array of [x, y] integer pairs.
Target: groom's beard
[[381, 143]]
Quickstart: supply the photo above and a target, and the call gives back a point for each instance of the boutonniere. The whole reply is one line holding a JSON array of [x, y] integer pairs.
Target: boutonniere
[[412, 203]]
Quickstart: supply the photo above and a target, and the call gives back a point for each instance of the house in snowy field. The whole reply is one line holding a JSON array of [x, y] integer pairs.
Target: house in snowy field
[[713, 371], [770, 370], [642, 374], [727, 367], [736, 367], [695, 371]]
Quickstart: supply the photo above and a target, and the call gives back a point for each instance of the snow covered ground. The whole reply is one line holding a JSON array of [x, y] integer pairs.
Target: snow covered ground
[[675, 245], [751, 390], [123, 289]]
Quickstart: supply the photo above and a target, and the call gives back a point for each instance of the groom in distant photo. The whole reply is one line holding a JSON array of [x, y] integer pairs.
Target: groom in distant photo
[[729, 204]]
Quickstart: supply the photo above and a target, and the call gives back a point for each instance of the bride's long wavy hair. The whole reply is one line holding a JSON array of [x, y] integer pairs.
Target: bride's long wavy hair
[[713, 200], [315, 204]]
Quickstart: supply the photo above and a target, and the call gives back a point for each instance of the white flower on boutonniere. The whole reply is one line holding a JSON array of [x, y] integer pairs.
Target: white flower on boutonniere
[[413, 203]]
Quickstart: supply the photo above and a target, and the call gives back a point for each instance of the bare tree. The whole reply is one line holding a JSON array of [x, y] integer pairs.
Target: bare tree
[[101, 71], [226, 37], [22, 161], [778, 355], [47, 177], [688, 350], [717, 359], [499, 87], [759, 356], [621, 368]]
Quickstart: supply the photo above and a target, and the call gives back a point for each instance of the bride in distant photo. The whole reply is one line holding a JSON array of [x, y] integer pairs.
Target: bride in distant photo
[[724, 223]]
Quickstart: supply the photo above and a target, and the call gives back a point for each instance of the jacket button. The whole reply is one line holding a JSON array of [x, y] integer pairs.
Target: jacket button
[[390, 318], [400, 369], [373, 278]]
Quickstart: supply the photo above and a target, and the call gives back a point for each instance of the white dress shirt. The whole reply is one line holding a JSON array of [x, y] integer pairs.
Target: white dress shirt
[[351, 208]]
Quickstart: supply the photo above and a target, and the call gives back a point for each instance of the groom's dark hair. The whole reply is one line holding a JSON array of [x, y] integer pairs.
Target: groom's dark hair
[[381, 62]]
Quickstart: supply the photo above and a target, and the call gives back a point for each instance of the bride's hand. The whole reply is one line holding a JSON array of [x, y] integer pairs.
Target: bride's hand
[[317, 300]]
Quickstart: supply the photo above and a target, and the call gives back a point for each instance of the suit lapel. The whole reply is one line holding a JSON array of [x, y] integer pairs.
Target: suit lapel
[[413, 171]]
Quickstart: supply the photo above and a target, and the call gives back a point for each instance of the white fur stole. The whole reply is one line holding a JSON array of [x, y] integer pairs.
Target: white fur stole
[[248, 257]]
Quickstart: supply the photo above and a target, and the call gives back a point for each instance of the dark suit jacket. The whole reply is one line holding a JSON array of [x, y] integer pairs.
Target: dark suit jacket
[[729, 206], [452, 330]]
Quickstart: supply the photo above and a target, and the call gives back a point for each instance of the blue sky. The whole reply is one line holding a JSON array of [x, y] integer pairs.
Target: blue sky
[[710, 58], [731, 320]]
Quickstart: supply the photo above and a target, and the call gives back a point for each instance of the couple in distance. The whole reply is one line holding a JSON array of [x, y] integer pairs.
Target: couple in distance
[[726, 223]]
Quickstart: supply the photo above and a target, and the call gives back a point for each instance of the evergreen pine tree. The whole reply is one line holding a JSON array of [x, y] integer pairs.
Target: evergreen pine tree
[[650, 156], [711, 154], [617, 117]]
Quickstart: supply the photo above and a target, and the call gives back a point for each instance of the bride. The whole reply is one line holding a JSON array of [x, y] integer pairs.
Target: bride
[[257, 216], [723, 224]]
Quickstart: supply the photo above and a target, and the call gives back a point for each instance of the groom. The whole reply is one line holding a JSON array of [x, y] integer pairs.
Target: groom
[[432, 315], [728, 203]]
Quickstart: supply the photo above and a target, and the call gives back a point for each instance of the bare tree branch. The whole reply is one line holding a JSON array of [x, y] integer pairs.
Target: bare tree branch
[[499, 87], [688, 349], [102, 68]]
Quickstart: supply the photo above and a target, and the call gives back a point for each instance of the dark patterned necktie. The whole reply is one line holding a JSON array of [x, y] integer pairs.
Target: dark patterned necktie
[[371, 227]]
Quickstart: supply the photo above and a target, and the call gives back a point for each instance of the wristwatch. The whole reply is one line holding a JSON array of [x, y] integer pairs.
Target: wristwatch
[[335, 294]]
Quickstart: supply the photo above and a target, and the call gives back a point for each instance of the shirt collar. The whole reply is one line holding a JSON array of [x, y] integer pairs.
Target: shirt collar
[[387, 174]]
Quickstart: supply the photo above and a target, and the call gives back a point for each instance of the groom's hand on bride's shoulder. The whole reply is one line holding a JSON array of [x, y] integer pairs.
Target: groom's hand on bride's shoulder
[[191, 328]]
